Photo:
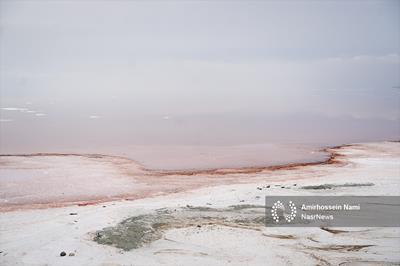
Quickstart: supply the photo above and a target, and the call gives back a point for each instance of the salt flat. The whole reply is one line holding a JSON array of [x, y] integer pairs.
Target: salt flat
[[209, 219]]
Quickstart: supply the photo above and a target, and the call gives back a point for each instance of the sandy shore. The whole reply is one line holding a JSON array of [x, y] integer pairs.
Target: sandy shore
[[211, 218]]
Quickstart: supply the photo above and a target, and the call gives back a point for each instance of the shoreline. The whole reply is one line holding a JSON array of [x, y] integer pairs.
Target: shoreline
[[148, 183], [214, 170], [234, 175]]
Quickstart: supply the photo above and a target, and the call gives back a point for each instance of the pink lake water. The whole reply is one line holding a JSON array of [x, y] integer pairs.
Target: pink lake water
[[202, 141]]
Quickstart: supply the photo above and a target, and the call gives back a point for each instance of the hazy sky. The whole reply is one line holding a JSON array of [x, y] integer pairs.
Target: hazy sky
[[185, 57]]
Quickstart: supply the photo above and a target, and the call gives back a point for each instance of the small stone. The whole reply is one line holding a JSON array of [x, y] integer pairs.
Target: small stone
[[71, 254], [259, 188], [73, 213], [198, 226], [62, 254], [282, 186], [294, 185], [268, 186]]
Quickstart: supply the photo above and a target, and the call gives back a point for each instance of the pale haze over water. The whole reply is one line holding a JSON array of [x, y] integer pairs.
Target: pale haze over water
[[179, 85]]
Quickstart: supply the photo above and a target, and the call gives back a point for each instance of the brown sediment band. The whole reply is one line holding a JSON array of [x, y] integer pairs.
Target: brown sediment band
[[332, 159], [79, 203]]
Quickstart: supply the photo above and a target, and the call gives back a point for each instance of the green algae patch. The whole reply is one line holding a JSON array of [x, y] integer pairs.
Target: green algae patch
[[245, 206], [133, 232], [136, 232]]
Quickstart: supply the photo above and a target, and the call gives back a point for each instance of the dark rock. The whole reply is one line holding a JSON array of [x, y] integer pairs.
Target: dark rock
[[259, 188], [73, 213], [332, 186], [71, 254], [268, 186], [62, 254], [199, 226]]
